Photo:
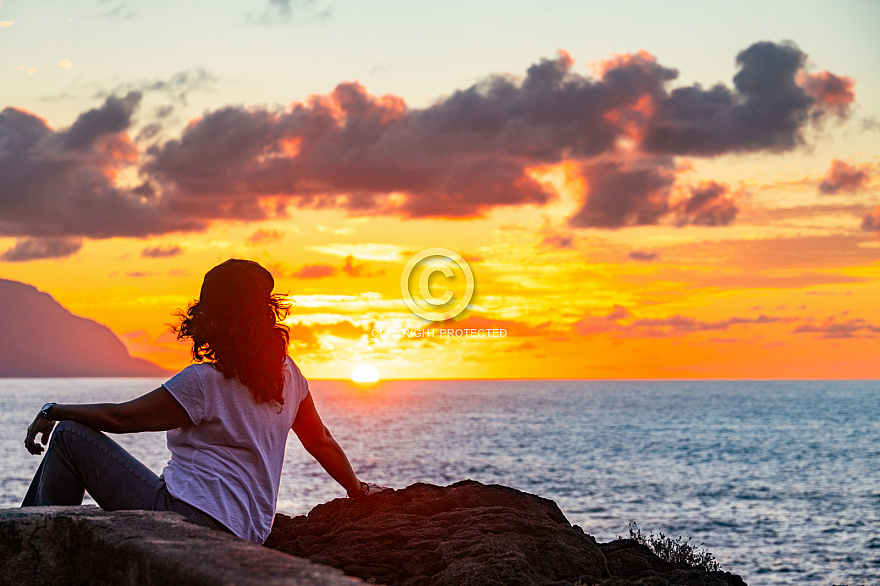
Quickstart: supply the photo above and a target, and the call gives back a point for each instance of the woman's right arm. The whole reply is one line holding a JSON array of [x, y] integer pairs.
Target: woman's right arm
[[318, 442], [156, 411]]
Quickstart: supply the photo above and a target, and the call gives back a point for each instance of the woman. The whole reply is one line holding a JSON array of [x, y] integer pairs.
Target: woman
[[227, 419]]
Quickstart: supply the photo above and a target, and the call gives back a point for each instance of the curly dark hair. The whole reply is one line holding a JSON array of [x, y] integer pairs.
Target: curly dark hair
[[236, 324]]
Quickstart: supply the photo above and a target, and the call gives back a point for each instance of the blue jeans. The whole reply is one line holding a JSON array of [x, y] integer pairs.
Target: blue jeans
[[81, 459]]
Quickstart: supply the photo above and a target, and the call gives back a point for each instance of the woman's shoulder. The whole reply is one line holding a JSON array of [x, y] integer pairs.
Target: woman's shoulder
[[296, 378], [200, 368], [195, 372]]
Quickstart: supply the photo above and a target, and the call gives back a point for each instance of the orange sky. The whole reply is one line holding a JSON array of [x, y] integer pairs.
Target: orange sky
[[764, 298], [615, 227]]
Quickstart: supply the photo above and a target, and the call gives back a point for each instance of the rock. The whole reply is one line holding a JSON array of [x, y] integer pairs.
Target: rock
[[67, 546], [470, 534]]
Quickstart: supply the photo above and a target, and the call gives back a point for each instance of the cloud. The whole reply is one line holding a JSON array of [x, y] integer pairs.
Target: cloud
[[118, 10], [845, 177], [314, 271], [26, 249], [62, 183], [643, 255], [66, 64], [349, 268], [286, 11], [658, 327], [832, 329], [622, 195], [342, 329], [178, 85], [462, 157], [709, 205], [263, 237], [680, 323], [348, 150], [833, 93], [590, 324], [162, 251], [353, 269], [558, 241], [380, 251], [871, 221], [302, 337], [6, 23], [766, 110]]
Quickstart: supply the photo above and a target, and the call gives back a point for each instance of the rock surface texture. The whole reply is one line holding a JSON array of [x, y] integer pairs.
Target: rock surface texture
[[73, 546], [471, 534]]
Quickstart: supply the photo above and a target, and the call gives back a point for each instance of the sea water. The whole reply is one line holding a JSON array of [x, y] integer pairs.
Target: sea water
[[779, 480]]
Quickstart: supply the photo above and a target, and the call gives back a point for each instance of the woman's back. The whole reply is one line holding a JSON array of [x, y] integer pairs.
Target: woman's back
[[228, 462]]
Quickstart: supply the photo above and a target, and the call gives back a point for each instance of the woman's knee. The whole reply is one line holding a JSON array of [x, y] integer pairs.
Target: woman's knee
[[74, 427], [70, 430], [67, 425]]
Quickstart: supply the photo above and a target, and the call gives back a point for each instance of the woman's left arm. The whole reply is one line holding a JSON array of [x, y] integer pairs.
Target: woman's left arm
[[156, 411]]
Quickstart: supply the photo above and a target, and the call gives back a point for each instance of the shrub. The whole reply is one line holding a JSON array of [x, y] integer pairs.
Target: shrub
[[677, 551]]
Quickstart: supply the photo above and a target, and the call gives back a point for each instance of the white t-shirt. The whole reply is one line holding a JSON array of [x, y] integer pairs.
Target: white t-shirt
[[228, 461]]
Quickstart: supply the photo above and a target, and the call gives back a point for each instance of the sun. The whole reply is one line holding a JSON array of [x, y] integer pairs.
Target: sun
[[364, 373]]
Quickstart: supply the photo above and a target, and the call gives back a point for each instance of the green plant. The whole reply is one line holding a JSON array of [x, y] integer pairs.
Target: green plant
[[677, 551]]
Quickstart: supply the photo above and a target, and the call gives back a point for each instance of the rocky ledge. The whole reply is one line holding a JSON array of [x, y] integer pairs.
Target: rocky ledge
[[471, 534]]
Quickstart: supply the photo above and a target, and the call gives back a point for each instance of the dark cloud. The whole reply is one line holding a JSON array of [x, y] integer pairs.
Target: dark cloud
[[108, 120], [461, 157], [871, 221], [620, 195], [832, 329], [658, 327], [643, 255], [348, 150], [162, 251], [26, 249], [680, 323], [844, 177], [709, 205], [60, 183], [766, 110]]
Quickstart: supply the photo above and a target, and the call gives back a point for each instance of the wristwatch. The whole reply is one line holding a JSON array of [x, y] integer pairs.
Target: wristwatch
[[44, 411]]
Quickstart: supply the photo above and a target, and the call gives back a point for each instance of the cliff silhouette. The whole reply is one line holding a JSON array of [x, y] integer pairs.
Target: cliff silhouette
[[40, 338]]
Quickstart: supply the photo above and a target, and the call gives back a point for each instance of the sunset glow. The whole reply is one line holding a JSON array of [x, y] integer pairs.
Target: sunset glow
[[364, 373], [631, 206]]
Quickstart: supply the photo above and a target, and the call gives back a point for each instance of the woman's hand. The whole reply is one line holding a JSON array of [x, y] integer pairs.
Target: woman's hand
[[40, 425]]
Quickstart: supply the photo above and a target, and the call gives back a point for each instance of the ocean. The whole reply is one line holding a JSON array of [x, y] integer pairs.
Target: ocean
[[780, 480]]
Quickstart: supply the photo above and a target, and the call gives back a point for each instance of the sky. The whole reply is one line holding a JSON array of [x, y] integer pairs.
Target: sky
[[640, 189]]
